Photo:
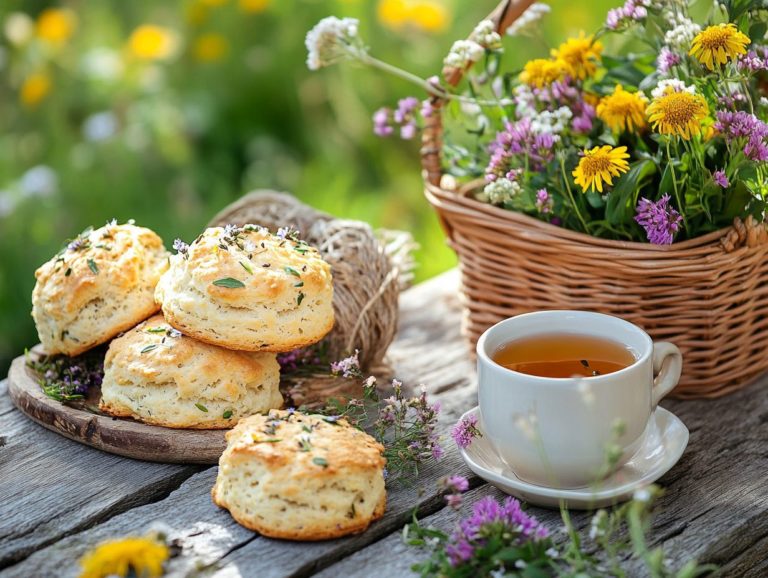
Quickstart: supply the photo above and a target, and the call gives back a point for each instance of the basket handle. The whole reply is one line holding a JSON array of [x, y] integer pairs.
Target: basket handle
[[432, 136]]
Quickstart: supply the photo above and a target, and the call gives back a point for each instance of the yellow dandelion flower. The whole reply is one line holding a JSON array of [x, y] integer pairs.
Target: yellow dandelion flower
[[580, 56], [56, 25], [677, 113], [600, 165], [34, 89], [718, 44], [142, 556], [150, 42], [210, 47], [541, 72], [622, 110], [429, 16], [393, 13], [253, 6]]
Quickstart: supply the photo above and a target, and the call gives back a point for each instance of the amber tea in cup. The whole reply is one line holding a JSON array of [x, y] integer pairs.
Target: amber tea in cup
[[564, 355]]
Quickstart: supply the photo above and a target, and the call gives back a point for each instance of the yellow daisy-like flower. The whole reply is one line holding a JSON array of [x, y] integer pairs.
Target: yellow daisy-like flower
[[34, 89], [150, 42], [426, 15], [541, 72], [210, 47], [622, 110], [144, 556], [580, 56], [253, 6], [678, 113], [56, 25], [718, 44], [599, 166]]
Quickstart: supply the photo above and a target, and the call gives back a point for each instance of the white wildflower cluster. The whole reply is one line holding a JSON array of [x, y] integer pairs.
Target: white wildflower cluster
[[552, 122], [333, 40], [463, 53], [682, 30], [597, 525], [500, 191], [525, 24], [486, 36], [525, 101], [671, 85]]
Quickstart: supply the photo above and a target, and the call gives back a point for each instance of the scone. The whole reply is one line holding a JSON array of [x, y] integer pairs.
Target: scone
[[103, 282], [301, 477], [246, 289], [156, 375]]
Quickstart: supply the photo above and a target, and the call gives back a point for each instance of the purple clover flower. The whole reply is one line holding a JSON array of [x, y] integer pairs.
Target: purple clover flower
[[405, 107], [720, 179], [667, 59], [454, 501], [755, 60], [465, 431], [744, 129], [633, 10], [544, 201], [381, 125], [403, 116], [491, 518], [660, 221], [347, 367], [457, 483]]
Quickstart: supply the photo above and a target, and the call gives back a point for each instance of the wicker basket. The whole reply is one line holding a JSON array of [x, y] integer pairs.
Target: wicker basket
[[707, 295]]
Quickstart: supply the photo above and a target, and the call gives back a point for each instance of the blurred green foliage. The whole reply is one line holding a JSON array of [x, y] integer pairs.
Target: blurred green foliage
[[89, 130]]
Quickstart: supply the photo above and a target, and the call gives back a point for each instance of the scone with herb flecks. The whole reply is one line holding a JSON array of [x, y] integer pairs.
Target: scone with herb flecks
[[298, 476], [156, 375], [246, 289], [103, 282]]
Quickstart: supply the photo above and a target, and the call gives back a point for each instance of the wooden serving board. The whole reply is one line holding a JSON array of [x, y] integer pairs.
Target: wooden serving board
[[121, 436]]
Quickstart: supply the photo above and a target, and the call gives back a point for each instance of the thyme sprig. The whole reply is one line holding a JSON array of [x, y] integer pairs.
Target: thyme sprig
[[68, 379]]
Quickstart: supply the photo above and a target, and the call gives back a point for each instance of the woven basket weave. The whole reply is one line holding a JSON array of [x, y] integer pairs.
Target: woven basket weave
[[707, 295]]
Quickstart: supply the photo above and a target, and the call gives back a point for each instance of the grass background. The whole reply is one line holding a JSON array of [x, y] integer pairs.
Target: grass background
[[188, 135]]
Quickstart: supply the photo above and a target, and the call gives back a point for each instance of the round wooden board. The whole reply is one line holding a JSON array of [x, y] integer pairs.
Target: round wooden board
[[119, 436]]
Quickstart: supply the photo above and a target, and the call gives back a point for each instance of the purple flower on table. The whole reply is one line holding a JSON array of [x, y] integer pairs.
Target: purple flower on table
[[744, 129], [720, 179], [660, 221], [465, 431], [667, 59], [437, 451], [490, 518], [454, 501], [456, 483], [347, 367], [381, 126]]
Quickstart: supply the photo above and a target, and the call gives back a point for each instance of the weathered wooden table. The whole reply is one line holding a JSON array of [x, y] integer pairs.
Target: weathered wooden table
[[59, 498]]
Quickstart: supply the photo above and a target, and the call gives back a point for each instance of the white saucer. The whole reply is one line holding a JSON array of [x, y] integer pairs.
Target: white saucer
[[665, 440]]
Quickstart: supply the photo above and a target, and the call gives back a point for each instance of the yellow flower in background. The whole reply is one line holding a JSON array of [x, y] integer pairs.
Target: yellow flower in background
[[427, 15], [541, 72], [254, 6], [580, 56], [143, 556], [623, 110], [213, 3], [718, 44], [150, 42], [678, 113], [34, 89], [56, 25], [599, 166], [210, 47]]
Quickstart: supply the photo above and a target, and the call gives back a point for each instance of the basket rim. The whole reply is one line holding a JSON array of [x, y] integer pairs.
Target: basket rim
[[463, 203]]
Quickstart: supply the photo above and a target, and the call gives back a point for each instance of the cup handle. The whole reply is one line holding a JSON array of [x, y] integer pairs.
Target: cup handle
[[667, 367]]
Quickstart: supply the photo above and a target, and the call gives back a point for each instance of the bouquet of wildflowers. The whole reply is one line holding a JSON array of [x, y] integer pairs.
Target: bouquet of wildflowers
[[663, 142]]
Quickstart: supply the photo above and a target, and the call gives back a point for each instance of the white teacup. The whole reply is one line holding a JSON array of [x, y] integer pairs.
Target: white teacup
[[555, 431]]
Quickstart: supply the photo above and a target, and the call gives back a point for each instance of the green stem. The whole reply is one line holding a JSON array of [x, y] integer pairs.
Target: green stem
[[570, 196], [674, 185]]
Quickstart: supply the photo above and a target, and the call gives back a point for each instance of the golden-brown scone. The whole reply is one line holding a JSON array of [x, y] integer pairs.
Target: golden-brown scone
[[156, 375], [299, 477], [100, 284], [246, 289]]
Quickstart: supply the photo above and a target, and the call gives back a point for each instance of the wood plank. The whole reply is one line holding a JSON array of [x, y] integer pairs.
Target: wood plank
[[121, 436], [51, 486]]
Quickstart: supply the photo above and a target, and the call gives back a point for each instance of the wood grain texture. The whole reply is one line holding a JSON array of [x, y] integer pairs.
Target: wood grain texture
[[715, 506], [124, 437], [51, 487]]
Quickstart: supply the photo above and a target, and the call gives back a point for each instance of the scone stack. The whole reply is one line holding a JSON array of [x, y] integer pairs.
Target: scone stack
[[230, 301]]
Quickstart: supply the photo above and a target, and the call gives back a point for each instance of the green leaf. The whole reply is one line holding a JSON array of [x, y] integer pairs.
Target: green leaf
[[737, 201], [68, 272], [620, 207], [322, 462], [510, 554], [227, 414], [758, 30], [201, 407], [156, 330], [93, 267], [149, 348], [595, 199], [229, 283], [247, 267], [292, 271], [299, 284]]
